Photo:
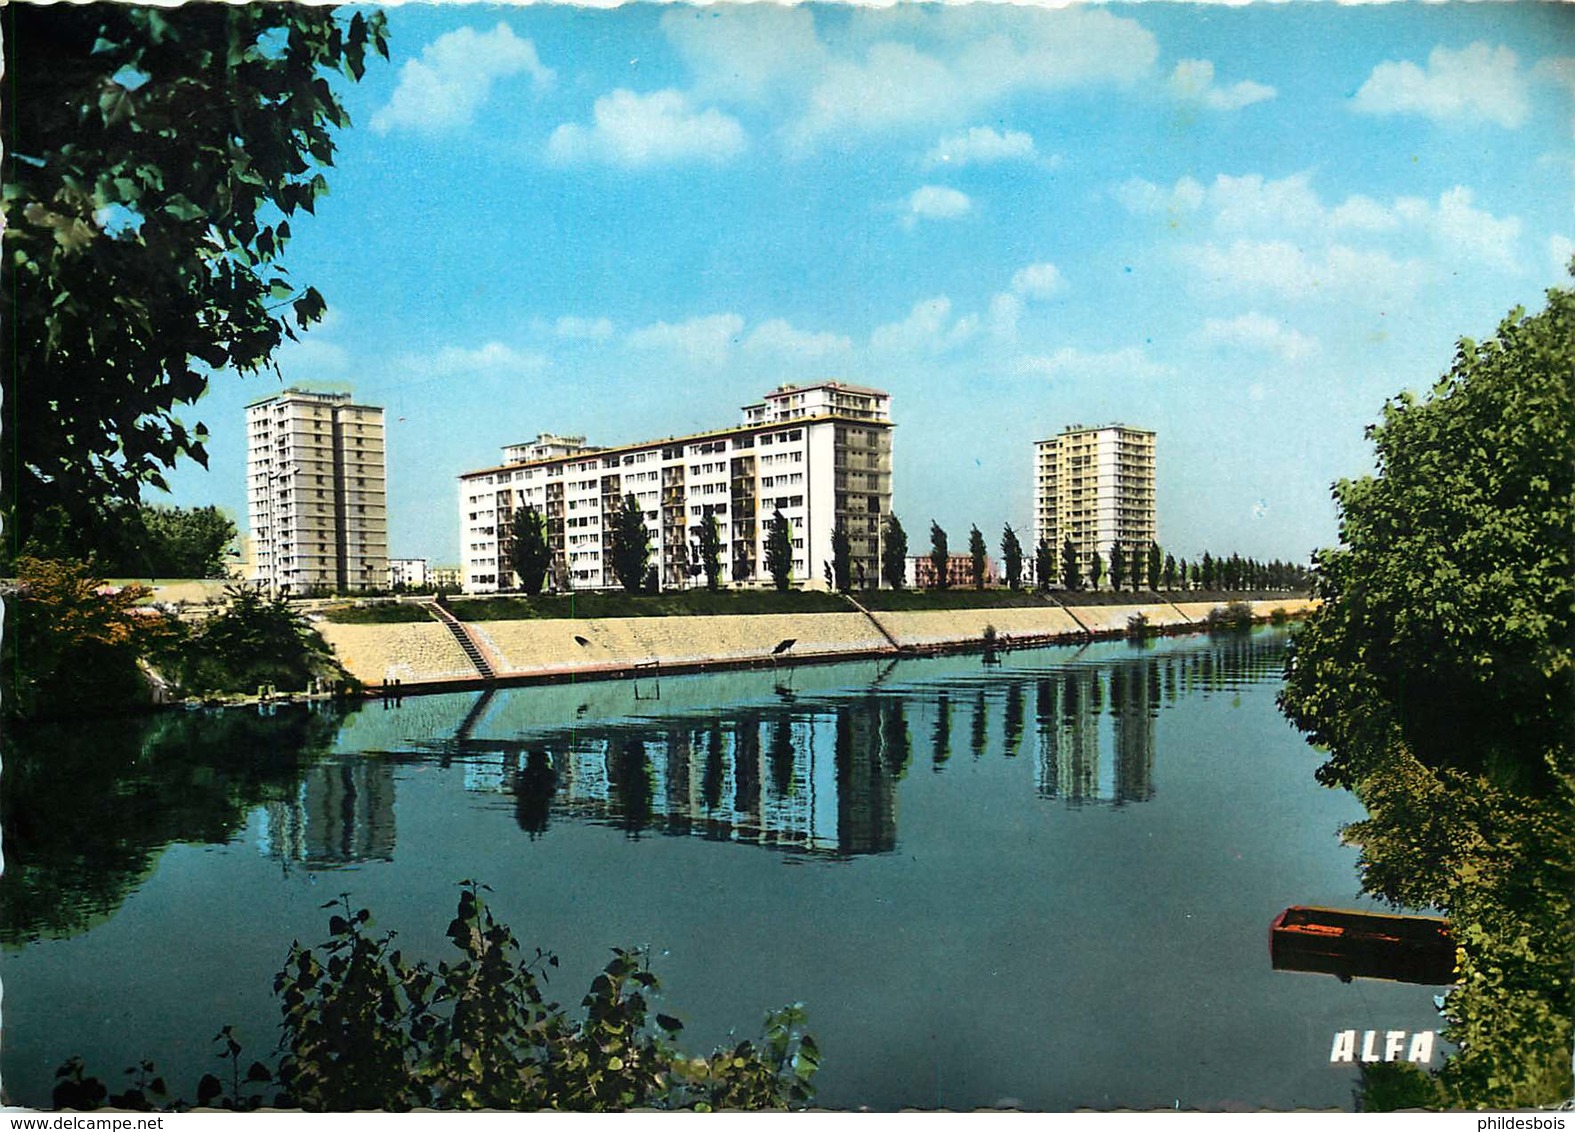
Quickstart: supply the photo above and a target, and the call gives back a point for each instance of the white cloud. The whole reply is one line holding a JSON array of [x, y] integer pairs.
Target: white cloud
[[1005, 309], [1130, 363], [745, 51], [1561, 249], [1147, 199], [646, 129], [1285, 269], [706, 341], [1470, 232], [1476, 84], [928, 329], [974, 60], [492, 359], [1268, 219], [1035, 283], [1193, 81], [935, 202], [585, 329], [981, 145], [778, 338], [1259, 334], [1038, 281], [454, 76]]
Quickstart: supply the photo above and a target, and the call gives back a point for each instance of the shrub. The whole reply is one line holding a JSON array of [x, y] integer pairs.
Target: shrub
[[365, 1029]]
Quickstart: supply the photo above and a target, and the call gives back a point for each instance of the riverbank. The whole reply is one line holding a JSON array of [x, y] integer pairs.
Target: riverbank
[[431, 656]]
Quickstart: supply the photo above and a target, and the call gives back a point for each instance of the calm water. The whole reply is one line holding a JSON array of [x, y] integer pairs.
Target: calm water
[[1045, 883]]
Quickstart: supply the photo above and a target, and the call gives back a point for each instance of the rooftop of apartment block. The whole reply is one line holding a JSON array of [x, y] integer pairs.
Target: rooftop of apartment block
[[571, 447]]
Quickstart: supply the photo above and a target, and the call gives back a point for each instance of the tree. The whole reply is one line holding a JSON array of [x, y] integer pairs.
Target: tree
[[1170, 571], [364, 1028], [1118, 565], [1096, 571], [1208, 571], [153, 542], [709, 536], [1012, 557], [1071, 575], [779, 551], [1438, 673], [976, 555], [529, 554], [1044, 566], [71, 645], [894, 554], [1446, 620], [841, 559], [254, 640], [940, 556], [154, 160], [630, 545], [1156, 564]]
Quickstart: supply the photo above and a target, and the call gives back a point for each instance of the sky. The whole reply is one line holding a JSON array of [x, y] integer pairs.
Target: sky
[[1243, 227]]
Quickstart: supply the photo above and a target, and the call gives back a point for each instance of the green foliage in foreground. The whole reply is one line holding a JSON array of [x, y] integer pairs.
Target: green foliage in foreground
[[155, 160], [364, 1028], [1440, 676]]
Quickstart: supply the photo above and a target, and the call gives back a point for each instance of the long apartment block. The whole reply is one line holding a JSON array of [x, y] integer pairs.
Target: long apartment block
[[316, 497], [1094, 487], [821, 454]]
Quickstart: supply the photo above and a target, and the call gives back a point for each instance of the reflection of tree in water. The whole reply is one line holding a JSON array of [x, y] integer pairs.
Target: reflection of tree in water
[[715, 770], [535, 783], [629, 773], [87, 806], [1013, 740], [781, 755], [866, 780], [746, 768], [980, 729], [943, 732]]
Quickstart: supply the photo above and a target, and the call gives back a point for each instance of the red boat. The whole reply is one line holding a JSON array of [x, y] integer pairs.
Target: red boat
[[1363, 945]]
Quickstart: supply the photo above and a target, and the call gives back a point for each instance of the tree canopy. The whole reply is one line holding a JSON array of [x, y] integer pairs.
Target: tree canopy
[[976, 557], [1012, 556], [529, 553], [154, 158], [779, 551], [1447, 616], [940, 556], [709, 537], [1438, 674], [630, 545], [841, 559], [894, 553]]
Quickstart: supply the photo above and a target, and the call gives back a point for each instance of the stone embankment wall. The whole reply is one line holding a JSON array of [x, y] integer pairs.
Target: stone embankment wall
[[560, 648], [410, 653]]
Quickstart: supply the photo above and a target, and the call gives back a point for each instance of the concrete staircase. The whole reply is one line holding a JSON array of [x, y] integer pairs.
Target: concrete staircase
[[875, 621], [466, 642]]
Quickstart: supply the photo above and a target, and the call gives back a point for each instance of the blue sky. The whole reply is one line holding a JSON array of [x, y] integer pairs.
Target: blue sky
[[1242, 227]]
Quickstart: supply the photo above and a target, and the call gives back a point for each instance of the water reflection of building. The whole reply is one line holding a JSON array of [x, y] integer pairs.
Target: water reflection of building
[[342, 813], [820, 773], [1071, 706], [821, 779]]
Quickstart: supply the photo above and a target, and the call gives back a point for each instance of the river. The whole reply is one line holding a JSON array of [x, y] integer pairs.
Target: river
[[1044, 883]]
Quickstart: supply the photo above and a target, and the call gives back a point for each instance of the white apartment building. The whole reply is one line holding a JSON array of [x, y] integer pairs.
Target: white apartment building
[[1095, 487], [409, 573], [316, 497], [821, 454]]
